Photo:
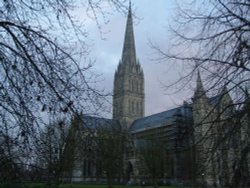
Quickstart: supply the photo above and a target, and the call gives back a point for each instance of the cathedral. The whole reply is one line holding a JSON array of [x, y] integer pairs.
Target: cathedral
[[181, 130]]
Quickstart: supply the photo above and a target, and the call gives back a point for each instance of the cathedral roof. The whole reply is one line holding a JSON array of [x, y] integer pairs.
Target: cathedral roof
[[92, 122], [168, 117], [215, 101]]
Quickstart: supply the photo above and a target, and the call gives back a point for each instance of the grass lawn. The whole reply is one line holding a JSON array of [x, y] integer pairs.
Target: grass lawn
[[42, 185], [105, 186]]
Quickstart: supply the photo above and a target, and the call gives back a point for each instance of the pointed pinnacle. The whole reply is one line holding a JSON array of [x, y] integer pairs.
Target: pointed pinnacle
[[129, 54], [199, 92]]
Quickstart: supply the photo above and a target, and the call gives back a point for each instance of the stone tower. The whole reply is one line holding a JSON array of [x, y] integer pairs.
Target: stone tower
[[128, 98]]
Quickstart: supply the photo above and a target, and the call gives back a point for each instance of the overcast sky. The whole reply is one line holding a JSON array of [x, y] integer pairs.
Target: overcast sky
[[154, 18]]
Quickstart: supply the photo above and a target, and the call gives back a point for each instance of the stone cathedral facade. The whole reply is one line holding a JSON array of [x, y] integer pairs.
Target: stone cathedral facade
[[181, 129]]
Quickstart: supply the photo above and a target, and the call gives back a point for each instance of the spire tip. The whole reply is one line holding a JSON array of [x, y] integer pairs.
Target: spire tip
[[129, 8]]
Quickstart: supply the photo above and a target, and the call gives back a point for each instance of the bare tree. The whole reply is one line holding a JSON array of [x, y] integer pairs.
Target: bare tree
[[213, 36], [111, 141], [41, 72], [49, 151], [153, 155], [94, 147], [9, 160]]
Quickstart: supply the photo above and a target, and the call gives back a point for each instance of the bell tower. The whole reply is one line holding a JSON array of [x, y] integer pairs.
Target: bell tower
[[128, 96]]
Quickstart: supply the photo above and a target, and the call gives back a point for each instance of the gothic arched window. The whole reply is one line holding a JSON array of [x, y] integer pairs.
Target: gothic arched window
[[137, 86], [133, 106], [130, 84], [141, 107], [133, 85]]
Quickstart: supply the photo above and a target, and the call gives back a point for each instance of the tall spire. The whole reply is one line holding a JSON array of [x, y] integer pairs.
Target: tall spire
[[128, 53], [128, 98]]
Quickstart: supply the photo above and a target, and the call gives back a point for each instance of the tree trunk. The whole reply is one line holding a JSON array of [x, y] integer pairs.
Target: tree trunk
[[110, 182]]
